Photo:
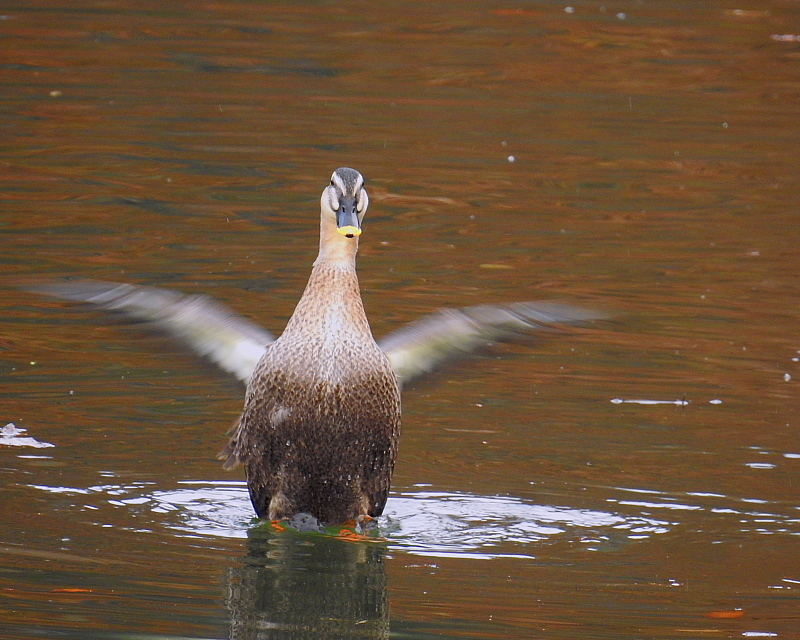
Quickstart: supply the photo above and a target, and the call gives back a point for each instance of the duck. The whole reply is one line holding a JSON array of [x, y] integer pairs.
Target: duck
[[319, 431], [321, 419]]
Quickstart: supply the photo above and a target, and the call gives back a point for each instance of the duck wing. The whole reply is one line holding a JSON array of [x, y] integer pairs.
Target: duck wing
[[236, 344], [422, 345], [207, 327]]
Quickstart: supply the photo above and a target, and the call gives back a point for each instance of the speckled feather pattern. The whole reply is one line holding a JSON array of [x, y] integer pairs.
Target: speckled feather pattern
[[321, 421]]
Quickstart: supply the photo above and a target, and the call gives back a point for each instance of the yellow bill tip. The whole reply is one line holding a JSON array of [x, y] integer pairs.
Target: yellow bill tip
[[349, 231]]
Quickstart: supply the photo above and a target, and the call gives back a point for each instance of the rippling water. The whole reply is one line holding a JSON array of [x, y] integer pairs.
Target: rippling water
[[424, 522], [455, 524], [634, 479]]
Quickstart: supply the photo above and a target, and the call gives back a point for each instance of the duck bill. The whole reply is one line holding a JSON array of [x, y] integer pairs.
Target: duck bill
[[347, 222]]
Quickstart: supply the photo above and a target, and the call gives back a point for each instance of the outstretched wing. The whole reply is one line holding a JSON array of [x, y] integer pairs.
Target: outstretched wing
[[209, 328], [236, 345], [420, 346]]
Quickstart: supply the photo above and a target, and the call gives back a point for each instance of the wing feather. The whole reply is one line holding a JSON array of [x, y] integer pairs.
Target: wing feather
[[422, 345], [207, 327]]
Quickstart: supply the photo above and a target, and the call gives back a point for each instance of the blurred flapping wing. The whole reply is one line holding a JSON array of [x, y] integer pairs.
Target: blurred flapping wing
[[420, 346], [207, 327]]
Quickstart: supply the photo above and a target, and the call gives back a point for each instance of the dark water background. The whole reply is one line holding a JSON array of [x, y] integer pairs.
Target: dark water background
[[637, 156]]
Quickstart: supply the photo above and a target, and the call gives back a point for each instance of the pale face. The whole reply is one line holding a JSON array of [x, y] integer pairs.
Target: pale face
[[346, 200]]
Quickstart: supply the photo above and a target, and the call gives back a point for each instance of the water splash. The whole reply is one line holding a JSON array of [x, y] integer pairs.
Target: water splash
[[448, 524], [425, 523], [13, 436]]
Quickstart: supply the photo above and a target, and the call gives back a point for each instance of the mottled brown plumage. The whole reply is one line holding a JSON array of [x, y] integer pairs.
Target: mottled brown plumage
[[321, 418]]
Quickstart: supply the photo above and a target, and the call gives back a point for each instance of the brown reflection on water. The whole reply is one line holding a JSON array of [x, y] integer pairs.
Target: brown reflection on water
[[653, 174]]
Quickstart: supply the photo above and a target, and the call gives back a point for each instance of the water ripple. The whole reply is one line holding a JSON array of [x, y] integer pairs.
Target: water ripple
[[443, 524], [427, 523]]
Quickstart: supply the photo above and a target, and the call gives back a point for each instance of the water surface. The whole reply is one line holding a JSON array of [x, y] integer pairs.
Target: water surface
[[638, 157]]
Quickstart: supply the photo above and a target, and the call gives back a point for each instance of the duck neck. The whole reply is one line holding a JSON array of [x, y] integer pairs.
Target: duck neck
[[334, 248], [332, 297]]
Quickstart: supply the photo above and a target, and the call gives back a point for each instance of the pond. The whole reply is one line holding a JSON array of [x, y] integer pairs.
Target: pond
[[634, 478]]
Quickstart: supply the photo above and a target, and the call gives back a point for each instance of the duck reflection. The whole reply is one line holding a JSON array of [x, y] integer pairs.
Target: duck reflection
[[292, 585]]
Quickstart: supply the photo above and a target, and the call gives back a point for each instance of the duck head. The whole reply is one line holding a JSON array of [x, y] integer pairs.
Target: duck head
[[345, 200]]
